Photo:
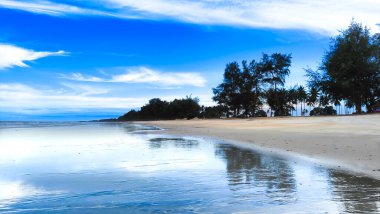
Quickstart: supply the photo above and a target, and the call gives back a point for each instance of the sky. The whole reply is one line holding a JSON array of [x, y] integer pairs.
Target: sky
[[83, 60]]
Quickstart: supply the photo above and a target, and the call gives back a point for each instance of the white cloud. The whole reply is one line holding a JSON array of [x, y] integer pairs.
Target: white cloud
[[85, 90], [146, 75], [20, 98], [17, 97], [323, 16], [48, 8], [11, 56], [81, 77]]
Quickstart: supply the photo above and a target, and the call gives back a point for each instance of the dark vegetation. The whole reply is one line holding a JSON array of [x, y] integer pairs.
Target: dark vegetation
[[157, 109], [348, 75]]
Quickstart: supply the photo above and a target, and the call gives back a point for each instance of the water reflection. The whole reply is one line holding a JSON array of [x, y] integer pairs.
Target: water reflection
[[125, 168], [137, 128], [358, 194], [247, 168], [164, 142]]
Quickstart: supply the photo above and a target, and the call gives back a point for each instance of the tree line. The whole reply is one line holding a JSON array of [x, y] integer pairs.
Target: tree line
[[158, 109], [349, 75]]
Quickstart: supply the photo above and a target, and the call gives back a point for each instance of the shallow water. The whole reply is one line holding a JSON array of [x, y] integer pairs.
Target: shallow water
[[127, 168]]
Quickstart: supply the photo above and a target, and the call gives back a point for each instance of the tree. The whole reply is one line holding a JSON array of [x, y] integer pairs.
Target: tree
[[227, 93], [350, 69], [213, 112], [293, 98], [240, 91], [302, 97], [154, 110], [188, 108], [274, 69], [251, 88], [157, 109], [131, 115], [312, 97], [324, 100], [279, 101], [327, 110]]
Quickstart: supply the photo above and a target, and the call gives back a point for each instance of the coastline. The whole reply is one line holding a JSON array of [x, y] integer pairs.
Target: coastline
[[348, 142]]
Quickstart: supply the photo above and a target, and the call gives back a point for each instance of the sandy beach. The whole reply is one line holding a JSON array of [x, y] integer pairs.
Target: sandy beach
[[348, 142]]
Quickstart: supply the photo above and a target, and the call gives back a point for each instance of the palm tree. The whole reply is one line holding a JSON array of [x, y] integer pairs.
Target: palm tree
[[312, 97], [337, 103], [274, 69], [349, 105], [292, 98], [324, 100], [302, 96]]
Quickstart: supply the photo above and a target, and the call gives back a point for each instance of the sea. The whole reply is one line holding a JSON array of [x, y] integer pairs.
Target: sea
[[92, 167]]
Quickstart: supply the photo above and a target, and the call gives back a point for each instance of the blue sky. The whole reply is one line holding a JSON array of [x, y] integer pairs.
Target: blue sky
[[77, 60]]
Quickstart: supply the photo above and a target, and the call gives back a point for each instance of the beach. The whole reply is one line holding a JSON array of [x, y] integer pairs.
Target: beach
[[347, 142]]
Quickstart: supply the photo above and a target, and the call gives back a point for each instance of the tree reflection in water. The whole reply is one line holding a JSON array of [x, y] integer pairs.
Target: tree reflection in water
[[246, 168], [157, 143], [358, 194]]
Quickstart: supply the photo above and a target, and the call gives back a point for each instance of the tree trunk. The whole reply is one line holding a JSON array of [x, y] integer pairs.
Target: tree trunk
[[358, 108], [309, 110], [304, 109]]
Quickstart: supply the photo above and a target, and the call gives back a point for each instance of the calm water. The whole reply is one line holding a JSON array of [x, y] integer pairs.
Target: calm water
[[121, 168]]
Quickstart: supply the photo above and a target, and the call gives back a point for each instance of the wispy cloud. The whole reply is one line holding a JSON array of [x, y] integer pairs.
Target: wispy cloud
[[85, 90], [21, 98], [82, 77], [146, 75], [323, 16], [49, 8], [11, 56], [17, 97]]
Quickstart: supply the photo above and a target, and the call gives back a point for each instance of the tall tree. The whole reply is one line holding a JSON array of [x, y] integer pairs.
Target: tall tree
[[350, 69], [293, 98], [240, 90], [312, 97], [279, 101], [227, 93], [302, 97], [274, 69], [251, 88]]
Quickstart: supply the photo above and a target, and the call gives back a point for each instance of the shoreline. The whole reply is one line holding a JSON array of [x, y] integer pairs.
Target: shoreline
[[348, 143]]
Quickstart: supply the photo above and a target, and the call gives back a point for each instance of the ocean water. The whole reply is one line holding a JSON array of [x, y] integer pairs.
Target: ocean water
[[74, 167]]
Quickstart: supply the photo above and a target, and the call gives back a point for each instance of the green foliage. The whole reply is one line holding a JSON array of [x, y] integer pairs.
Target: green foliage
[[260, 113], [279, 101], [183, 108], [312, 97], [213, 112], [240, 91], [131, 115], [327, 110], [157, 109], [275, 68], [350, 70]]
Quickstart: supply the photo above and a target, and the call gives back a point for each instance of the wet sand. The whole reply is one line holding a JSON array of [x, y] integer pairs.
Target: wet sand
[[347, 142]]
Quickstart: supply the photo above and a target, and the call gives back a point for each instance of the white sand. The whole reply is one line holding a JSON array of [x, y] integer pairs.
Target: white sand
[[349, 142]]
